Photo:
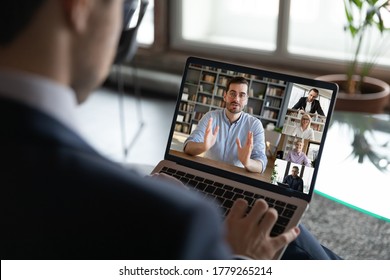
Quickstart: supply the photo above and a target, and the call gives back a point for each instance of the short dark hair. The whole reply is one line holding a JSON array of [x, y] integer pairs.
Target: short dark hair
[[237, 80], [315, 90], [295, 167], [15, 16]]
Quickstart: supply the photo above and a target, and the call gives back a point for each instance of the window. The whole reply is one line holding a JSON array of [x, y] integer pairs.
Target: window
[[316, 28], [300, 28], [145, 34], [231, 22]]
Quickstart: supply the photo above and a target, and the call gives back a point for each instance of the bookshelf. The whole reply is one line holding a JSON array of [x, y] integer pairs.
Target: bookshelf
[[203, 91]]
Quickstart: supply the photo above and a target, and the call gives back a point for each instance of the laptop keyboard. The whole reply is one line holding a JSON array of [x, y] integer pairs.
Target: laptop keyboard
[[225, 195]]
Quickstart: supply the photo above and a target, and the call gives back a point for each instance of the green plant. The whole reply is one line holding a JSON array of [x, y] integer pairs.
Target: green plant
[[363, 17], [279, 129], [274, 175]]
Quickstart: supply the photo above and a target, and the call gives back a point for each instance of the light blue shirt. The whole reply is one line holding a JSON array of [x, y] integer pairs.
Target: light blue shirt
[[225, 148]]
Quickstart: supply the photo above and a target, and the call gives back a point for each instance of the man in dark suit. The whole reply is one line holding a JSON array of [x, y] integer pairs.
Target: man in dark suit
[[293, 180], [59, 198], [310, 104]]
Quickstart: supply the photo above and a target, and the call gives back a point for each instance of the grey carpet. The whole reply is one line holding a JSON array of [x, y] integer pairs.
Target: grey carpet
[[351, 234]]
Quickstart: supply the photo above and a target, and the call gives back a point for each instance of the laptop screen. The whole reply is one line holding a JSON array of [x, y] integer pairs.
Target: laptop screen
[[290, 116]]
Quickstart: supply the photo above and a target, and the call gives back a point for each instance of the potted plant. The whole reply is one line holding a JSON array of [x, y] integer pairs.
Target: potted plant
[[356, 86]]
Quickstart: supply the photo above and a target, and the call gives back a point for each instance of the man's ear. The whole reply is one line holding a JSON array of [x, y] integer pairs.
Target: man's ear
[[77, 13], [246, 101], [224, 95]]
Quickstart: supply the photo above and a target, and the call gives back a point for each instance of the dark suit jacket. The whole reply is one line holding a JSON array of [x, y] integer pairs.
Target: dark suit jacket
[[61, 200], [294, 183], [315, 106]]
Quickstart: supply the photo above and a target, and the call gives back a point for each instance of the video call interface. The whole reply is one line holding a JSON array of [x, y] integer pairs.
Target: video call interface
[[292, 135]]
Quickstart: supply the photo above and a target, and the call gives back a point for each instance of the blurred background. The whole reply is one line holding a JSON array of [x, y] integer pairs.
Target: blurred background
[[305, 37]]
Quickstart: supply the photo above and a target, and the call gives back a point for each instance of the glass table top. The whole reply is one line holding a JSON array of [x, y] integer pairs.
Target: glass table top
[[355, 164]]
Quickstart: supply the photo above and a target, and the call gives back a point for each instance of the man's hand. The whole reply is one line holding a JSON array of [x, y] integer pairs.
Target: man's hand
[[210, 137], [249, 234], [244, 152]]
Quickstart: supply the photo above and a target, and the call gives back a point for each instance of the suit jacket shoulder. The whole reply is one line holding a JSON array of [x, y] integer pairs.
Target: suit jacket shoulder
[[61, 200], [300, 104]]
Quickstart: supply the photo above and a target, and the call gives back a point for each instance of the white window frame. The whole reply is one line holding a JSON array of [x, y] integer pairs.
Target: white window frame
[[280, 58]]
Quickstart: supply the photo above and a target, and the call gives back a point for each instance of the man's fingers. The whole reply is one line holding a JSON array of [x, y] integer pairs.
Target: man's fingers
[[216, 130], [257, 212], [238, 143], [287, 237], [268, 221], [249, 140], [238, 209], [209, 125]]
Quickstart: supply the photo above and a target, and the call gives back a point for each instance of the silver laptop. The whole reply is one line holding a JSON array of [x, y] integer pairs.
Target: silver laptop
[[271, 98]]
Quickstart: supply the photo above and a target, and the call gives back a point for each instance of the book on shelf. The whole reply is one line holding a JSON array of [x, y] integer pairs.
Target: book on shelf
[[187, 118], [270, 114], [273, 103], [186, 107], [219, 92], [178, 127], [275, 81], [209, 78], [179, 118], [204, 99], [275, 91], [223, 81], [198, 115], [192, 97], [219, 103], [199, 66], [184, 128]]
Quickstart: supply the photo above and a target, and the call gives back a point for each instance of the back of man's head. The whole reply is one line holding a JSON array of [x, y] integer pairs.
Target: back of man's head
[[15, 16]]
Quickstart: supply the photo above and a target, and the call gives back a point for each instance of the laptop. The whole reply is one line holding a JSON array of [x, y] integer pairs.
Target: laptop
[[271, 96]]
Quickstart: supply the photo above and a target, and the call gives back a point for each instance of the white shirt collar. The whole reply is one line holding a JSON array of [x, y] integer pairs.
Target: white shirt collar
[[43, 94]]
